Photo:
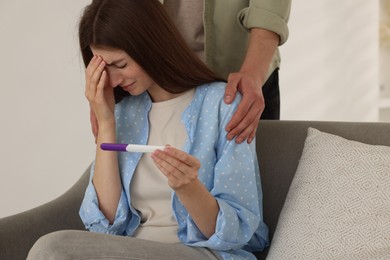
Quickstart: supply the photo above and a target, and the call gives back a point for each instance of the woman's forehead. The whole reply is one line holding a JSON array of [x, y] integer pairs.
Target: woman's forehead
[[108, 52]]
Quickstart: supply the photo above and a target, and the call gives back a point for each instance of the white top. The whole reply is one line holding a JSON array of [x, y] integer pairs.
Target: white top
[[150, 192]]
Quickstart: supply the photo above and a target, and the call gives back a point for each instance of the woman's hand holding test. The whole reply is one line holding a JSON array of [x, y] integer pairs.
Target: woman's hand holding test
[[181, 170]]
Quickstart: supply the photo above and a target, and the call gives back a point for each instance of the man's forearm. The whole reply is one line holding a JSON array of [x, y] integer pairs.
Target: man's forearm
[[261, 48]]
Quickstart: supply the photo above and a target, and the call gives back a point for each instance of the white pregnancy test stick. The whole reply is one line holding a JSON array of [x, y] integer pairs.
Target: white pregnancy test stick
[[133, 148]]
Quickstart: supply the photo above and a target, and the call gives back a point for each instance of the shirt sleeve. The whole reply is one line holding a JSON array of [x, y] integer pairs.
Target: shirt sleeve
[[271, 15], [94, 219], [236, 191]]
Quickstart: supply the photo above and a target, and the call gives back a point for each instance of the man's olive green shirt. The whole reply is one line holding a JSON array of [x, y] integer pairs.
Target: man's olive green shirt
[[227, 24]]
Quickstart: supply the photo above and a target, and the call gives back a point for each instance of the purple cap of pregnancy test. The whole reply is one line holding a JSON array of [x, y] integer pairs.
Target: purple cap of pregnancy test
[[113, 147]]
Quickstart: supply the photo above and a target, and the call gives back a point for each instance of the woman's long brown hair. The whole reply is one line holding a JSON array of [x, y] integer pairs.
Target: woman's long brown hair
[[144, 31]]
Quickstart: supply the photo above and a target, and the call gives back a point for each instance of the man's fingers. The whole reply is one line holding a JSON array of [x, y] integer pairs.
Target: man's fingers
[[245, 127], [248, 133], [231, 88], [238, 116], [253, 134]]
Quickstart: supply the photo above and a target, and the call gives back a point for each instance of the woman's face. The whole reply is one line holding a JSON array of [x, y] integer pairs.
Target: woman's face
[[123, 71]]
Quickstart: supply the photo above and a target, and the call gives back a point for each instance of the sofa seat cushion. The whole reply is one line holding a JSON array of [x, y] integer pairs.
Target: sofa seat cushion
[[338, 204]]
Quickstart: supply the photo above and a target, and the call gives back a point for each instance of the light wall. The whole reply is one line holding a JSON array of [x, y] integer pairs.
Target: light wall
[[44, 134], [330, 62], [329, 72]]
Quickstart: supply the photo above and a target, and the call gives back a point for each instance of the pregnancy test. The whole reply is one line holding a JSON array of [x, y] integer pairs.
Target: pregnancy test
[[133, 148]]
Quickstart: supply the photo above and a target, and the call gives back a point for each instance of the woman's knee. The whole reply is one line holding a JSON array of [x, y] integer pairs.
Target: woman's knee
[[56, 245]]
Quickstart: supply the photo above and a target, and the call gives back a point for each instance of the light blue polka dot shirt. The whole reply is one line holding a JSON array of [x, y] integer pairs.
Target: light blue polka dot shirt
[[229, 171]]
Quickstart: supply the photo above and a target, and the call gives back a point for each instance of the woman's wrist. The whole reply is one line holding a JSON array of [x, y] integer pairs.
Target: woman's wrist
[[106, 133]]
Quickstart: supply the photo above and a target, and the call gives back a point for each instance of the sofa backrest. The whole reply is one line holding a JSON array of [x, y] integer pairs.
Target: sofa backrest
[[279, 146]]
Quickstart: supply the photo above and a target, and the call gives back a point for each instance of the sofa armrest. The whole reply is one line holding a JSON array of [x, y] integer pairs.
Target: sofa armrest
[[18, 233]]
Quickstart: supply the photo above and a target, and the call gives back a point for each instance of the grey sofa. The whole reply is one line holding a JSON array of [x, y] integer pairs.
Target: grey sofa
[[279, 147]]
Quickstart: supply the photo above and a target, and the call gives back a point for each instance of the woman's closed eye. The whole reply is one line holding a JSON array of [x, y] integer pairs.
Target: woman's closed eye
[[118, 65], [121, 66]]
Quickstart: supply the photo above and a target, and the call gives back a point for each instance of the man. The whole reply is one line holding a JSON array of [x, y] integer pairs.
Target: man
[[238, 39]]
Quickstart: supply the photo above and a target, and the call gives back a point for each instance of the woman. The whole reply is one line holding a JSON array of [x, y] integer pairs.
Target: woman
[[200, 196]]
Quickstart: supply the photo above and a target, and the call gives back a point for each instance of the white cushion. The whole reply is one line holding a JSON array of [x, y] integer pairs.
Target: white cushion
[[338, 205]]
